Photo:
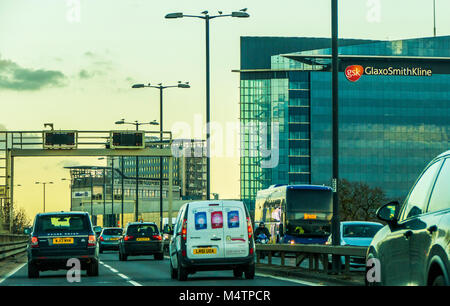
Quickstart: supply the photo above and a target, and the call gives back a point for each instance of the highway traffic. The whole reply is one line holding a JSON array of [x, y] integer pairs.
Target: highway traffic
[[142, 271]]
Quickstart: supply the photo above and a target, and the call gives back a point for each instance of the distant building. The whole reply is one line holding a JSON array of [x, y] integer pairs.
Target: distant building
[[189, 168], [394, 110]]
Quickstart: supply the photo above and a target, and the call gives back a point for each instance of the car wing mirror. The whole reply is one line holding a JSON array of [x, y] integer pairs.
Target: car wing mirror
[[27, 231], [389, 212]]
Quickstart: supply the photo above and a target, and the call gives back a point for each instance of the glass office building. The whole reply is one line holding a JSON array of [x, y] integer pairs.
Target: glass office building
[[394, 111]]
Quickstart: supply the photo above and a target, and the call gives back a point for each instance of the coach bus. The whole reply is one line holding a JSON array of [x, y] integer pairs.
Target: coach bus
[[295, 214]]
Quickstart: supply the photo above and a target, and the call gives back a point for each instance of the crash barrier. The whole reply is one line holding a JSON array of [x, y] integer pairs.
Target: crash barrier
[[12, 245], [314, 254]]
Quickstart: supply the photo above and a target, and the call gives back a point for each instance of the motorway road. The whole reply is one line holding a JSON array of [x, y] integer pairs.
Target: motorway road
[[142, 271]]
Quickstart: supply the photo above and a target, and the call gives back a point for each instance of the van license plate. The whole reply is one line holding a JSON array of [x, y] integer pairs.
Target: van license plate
[[205, 251], [62, 240]]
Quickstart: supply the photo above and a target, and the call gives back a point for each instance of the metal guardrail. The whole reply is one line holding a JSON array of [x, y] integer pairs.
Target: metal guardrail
[[12, 245], [314, 254]]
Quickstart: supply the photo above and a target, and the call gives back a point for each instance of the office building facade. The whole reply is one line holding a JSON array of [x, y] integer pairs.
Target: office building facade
[[394, 111]]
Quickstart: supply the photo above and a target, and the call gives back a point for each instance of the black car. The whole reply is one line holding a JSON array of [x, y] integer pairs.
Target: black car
[[414, 248], [59, 236], [141, 238]]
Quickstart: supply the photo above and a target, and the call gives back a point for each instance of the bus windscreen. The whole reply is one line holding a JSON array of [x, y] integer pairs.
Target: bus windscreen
[[307, 200]]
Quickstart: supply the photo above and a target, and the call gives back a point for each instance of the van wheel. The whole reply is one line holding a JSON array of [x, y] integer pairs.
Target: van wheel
[[173, 272], [33, 271], [237, 273], [159, 256], [181, 272], [250, 272], [92, 269]]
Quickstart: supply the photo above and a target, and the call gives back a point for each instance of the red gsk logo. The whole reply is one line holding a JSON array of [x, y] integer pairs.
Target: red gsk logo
[[354, 72]]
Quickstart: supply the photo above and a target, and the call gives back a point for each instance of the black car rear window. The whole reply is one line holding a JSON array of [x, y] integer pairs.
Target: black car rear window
[[142, 229], [361, 230], [113, 231], [57, 223]]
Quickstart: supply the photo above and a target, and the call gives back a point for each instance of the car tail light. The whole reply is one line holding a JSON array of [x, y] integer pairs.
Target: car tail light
[[251, 251], [184, 230], [157, 237], [126, 238], [183, 253], [101, 238], [34, 242], [91, 240], [249, 228]]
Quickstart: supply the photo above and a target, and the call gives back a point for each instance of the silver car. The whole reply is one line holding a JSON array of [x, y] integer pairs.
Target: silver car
[[109, 238]]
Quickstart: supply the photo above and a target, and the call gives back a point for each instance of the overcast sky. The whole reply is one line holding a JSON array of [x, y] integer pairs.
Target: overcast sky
[[77, 72]]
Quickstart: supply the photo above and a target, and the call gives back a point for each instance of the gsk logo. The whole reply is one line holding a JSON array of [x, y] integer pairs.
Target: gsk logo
[[354, 72]]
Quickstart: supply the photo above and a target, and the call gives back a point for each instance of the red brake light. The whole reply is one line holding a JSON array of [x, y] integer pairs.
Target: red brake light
[[91, 240], [249, 228], [184, 230], [34, 242], [101, 238], [126, 238], [251, 251], [157, 237]]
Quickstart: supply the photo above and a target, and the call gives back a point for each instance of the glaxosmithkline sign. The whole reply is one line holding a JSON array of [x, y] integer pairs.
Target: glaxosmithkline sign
[[354, 72]]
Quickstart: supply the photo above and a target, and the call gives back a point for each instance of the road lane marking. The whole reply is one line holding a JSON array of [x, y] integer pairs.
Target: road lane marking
[[123, 276], [134, 283], [290, 280], [12, 272]]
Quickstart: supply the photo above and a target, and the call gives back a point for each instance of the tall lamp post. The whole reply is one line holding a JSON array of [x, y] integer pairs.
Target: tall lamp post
[[137, 124], [44, 183], [161, 88], [70, 186], [240, 14], [335, 222]]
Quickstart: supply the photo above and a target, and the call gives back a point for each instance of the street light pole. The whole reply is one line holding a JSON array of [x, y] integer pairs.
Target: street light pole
[[335, 223], [161, 88], [121, 222], [44, 183], [241, 14], [137, 124]]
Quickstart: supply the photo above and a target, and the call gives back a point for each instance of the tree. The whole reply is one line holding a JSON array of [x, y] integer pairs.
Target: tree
[[20, 221], [358, 201]]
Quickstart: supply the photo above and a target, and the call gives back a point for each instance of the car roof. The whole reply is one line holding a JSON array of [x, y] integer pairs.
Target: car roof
[[360, 223], [136, 223], [63, 213]]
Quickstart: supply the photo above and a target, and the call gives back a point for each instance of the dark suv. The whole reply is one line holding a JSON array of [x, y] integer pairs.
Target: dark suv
[[414, 248], [59, 236], [141, 238]]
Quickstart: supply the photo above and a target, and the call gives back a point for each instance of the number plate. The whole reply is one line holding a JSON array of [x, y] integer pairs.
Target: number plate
[[142, 239], [205, 251], [62, 240], [114, 238]]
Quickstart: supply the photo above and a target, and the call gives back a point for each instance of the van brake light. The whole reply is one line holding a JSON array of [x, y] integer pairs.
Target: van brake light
[[184, 230], [249, 228]]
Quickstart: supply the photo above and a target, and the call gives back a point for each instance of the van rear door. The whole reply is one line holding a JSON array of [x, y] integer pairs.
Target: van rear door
[[205, 225], [235, 230]]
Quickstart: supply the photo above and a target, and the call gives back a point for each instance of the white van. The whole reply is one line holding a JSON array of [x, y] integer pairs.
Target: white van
[[212, 235]]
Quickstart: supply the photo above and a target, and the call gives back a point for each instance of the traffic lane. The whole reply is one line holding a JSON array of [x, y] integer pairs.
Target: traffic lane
[[146, 271], [59, 278]]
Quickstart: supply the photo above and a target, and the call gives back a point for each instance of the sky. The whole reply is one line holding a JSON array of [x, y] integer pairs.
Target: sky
[[72, 63]]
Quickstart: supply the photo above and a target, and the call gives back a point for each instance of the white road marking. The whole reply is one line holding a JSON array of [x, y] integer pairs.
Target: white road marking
[[123, 276], [12, 272], [134, 283], [290, 280]]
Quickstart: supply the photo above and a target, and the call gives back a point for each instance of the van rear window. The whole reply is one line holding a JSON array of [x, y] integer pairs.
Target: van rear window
[[233, 219], [216, 219], [200, 220]]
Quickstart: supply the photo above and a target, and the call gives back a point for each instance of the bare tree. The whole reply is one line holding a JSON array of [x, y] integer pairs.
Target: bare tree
[[358, 201]]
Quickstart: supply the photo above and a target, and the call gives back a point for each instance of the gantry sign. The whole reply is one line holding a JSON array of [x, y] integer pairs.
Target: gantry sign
[[60, 143]]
